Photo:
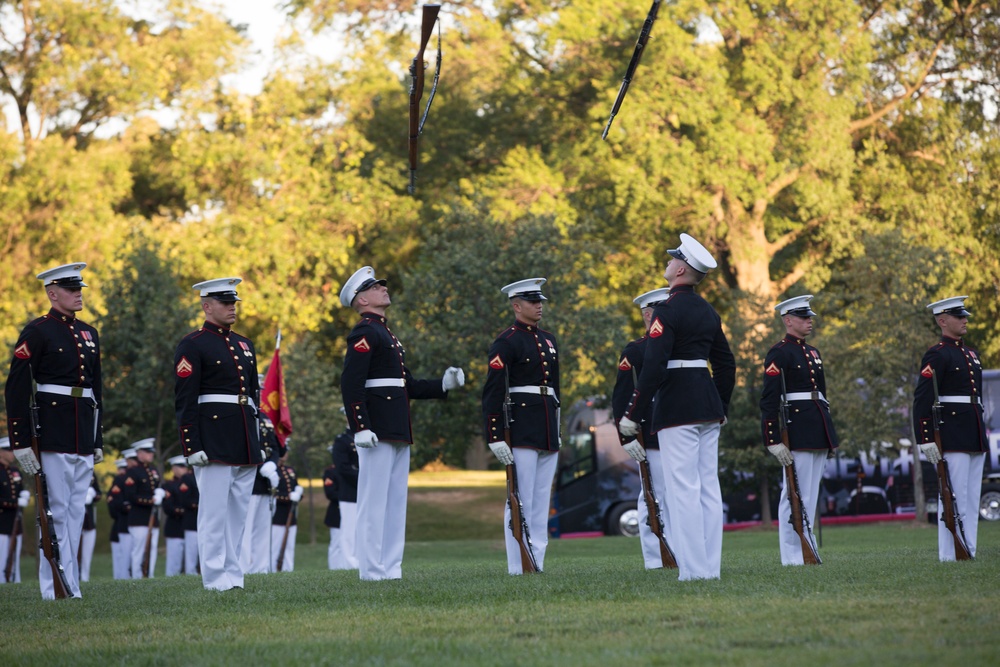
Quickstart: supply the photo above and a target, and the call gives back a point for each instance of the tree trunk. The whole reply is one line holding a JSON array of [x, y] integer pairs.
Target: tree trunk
[[765, 501]]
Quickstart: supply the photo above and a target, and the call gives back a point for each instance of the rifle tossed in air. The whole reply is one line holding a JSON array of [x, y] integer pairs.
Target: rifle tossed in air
[[667, 558], [799, 517], [518, 524], [430, 15], [640, 47], [949, 507], [47, 537]]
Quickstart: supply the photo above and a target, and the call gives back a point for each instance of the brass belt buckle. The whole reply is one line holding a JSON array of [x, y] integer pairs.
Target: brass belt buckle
[[543, 390], [76, 392], [242, 399]]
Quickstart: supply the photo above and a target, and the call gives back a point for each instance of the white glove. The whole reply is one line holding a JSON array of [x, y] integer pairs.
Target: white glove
[[26, 459], [781, 453], [635, 450], [299, 490], [365, 439], [91, 494], [453, 378], [628, 427], [502, 452], [23, 497], [198, 459], [269, 471], [930, 450], [98, 455], [296, 495], [158, 496]]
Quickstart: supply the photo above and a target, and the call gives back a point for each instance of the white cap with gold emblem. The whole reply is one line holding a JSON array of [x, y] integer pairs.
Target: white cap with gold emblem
[[362, 279], [220, 289], [797, 306], [529, 289], [951, 306], [649, 298], [694, 253], [67, 275]]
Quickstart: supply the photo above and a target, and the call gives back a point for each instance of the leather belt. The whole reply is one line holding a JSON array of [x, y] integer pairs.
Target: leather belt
[[687, 363], [385, 382], [235, 399], [975, 400], [806, 396], [541, 390], [75, 392]]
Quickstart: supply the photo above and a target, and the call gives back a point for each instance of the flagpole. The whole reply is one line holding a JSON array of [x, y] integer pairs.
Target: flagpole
[[277, 345]]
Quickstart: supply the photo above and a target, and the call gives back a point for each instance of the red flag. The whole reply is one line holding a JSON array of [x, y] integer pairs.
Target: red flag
[[274, 399]]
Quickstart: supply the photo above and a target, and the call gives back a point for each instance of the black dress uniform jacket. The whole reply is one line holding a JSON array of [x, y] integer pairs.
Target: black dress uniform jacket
[[629, 367], [810, 426], [140, 482], [188, 490], [684, 326], [345, 459], [216, 360], [10, 490], [173, 509], [283, 502], [56, 349], [118, 505], [959, 372], [332, 518], [374, 352], [523, 355]]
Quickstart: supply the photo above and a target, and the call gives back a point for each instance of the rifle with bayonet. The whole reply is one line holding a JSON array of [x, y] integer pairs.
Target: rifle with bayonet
[[667, 558], [47, 537], [518, 524], [799, 517], [949, 507], [640, 47], [430, 15]]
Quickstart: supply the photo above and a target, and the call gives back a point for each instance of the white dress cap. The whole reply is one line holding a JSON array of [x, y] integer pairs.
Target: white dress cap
[[362, 279], [797, 306], [145, 443], [651, 297], [220, 289], [67, 275], [128, 453], [529, 289], [695, 254], [951, 306], [120, 463], [178, 460]]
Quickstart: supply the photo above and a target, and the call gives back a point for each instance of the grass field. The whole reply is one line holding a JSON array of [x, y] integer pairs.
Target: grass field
[[881, 598]]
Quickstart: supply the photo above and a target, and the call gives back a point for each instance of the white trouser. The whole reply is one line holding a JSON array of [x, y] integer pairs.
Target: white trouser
[[15, 573], [67, 477], [649, 542], [277, 535], [535, 470], [335, 559], [121, 554], [349, 534], [690, 460], [175, 556], [255, 552], [190, 552], [87, 542], [222, 515], [383, 476], [139, 534], [966, 472], [809, 467]]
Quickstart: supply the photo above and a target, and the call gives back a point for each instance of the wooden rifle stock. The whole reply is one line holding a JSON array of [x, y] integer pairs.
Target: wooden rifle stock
[[949, 509], [518, 524], [799, 517], [667, 557], [8, 571], [640, 47], [430, 15], [47, 531], [284, 540], [149, 543]]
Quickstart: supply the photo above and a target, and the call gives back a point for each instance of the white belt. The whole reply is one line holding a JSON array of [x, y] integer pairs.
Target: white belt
[[385, 382], [806, 396], [687, 363], [975, 400], [529, 389], [75, 392], [237, 399]]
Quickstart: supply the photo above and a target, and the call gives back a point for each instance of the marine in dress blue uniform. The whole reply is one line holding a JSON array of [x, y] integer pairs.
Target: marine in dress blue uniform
[[255, 554], [121, 542], [345, 460], [958, 371], [88, 539], [173, 513], [216, 392], [685, 338], [189, 500], [811, 435], [523, 362], [13, 499], [144, 496], [377, 388], [62, 355], [629, 367], [284, 522]]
